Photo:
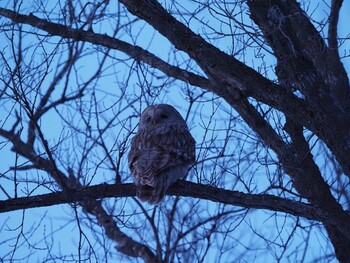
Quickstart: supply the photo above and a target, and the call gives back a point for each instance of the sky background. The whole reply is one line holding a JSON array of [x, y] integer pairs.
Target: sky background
[[40, 223]]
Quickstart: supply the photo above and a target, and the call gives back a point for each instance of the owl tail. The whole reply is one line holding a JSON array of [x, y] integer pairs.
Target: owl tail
[[155, 194], [149, 194]]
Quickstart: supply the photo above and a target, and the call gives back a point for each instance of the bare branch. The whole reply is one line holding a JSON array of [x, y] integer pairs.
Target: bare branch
[[135, 52], [333, 24], [181, 188]]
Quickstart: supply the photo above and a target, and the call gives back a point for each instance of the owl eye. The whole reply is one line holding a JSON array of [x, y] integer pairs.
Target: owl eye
[[164, 116], [148, 119]]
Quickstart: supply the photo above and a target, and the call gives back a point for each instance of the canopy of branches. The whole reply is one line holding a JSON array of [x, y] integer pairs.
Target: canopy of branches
[[262, 85]]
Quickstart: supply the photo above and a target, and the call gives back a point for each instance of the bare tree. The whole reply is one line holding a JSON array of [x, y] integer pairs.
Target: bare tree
[[264, 91]]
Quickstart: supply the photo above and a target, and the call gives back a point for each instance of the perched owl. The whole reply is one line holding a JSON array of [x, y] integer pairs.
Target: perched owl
[[161, 152]]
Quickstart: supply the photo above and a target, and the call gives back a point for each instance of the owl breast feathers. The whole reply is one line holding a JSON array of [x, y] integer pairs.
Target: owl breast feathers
[[161, 152]]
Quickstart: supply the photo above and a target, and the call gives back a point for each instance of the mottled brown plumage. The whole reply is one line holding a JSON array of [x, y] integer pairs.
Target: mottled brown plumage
[[161, 152]]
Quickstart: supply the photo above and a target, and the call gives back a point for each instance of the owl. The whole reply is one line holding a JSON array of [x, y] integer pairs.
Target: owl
[[161, 152]]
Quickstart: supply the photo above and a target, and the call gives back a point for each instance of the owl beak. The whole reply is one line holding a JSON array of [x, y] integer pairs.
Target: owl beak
[[154, 117]]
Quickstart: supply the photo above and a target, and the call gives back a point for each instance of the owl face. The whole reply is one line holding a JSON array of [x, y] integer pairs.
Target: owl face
[[159, 114]]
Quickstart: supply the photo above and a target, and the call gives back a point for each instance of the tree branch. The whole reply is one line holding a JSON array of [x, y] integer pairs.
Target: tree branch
[[181, 188], [301, 51], [135, 52], [333, 24], [309, 182]]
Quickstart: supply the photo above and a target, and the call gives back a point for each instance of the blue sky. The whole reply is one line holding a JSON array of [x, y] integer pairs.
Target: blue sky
[[38, 224]]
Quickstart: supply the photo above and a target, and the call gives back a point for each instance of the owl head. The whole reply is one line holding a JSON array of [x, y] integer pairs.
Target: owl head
[[157, 114]]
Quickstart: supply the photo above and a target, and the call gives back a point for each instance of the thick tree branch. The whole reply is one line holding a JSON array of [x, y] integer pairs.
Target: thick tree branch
[[181, 188], [302, 53], [310, 183], [333, 24]]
